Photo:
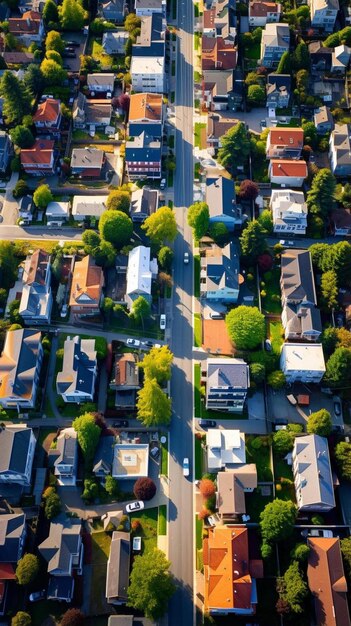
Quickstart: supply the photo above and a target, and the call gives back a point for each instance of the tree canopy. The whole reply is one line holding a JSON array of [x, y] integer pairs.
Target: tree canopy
[[199, 219], [53, 73], [88, 434], [21, 619], [320, 198], [27, 569], [256, 95], [144, 488], [157, 364], [153, 406], [276, 379], [33, 78], [336, 257], [119, 200], [320, 423], [283, 442], [252, 240], [71, 14], [329, 289], [50, 12], [8, 264], [55, 42], [116, 227], [246, 327], [16, 98], [235, 146], [165, 258], [338, 368], [161, 226], [22, 136], [284, 66], [343, 458], [42, 196], [151, 585], [248, 190], [140, 309], [73, 617], [294, 589], [277, 520]]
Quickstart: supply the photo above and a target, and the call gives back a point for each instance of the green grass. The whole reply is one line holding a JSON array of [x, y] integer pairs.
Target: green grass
[[44, 433], [198, 458], [105, 60], [197, 170], [199, 560], [199, 527], [197, 39], [199, 127], [271, 302], [260, 456], [164, 458], [173, 68], [253, 51], [197, 270], [148, 530], [276, 334], [197, 330], [283, 470], [197, 77], [255, 504], [101, 542], [197, 393], [196, 9], [162, 519]]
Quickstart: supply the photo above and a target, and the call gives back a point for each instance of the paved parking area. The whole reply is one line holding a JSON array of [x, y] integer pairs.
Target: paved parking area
[[279, 407]]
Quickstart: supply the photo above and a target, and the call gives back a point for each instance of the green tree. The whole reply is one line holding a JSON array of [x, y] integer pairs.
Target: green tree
[[111, 486], [320, 198], [14, 315], [16, 98], [283, 442], [338, 258], [153, 406], [50, 13], [319, 253], [22, 136], [256, 95], [338, 368], [199, 219], [55, 42], [132, 22], [246, 327], [310, 134], [257, 372], [42, 196], [329, 340], [53, 73], [140, 309], [71, 15], [345, 545], [27, 569], [165, 258], [284, 66], [266, 221], [157, 364], [151, 584], [295, 588], [104, 254], [252, 240], [52, 55], [8, 264], [320, 423], [301, 57], [91, 239], [88, 434], [300, 552], [277, 520], [235, 147], [329, 289], [343, 459], [33, 78], [119, 200], [116, 227], [53, 506], [276, 379], [161, 226], [21, 619]]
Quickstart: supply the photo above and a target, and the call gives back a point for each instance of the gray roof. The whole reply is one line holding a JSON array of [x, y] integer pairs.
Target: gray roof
[[275, 35], [129, 620], [222, 269], [323, 116], [113, 42], [19, 362], [143, 148], [220, 197], [87, 157], [67, 447], [143, 202], [100, 79], [341, 140], [232, 373], [301, 320], [278, 83], [151, 41], [104, 455], [60, 587], [313, 478], [220, 82], [62, 542], [79, 366], [117, 579], [14, 445], [297, 280], [11, 531]]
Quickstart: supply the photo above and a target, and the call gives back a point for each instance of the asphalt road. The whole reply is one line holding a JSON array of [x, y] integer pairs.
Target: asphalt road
[[40, 232], [181, 516]]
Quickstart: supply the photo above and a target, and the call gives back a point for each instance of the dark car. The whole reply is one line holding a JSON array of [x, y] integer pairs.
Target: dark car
[[337, 407], [207, 423], [75, 44], [69, 55], [120, 424]]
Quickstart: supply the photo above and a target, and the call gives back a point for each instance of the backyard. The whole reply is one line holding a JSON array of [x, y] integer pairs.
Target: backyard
[[276, 333], [200, 135], [198, 457], [271, 288], [284, 479], [101, 542], [258, 452], [256, 501], [99, 55], [148, 528], [162, 519]]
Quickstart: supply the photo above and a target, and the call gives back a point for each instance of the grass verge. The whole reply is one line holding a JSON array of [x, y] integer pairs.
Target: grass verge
[[197, 330], [164, 458], [197, 269], [101, 542], [260, 455], [276, 333], [162, 519], [198, 459]]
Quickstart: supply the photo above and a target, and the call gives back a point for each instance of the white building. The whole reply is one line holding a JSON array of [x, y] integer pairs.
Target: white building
[[148, 74], [101, 82], [312, 474], [302, 362], [289, 211], [225, 448], [264, 12], [76, 382], [130, 461], [57, 213], [88, 206], [323, 14], [140, 272]]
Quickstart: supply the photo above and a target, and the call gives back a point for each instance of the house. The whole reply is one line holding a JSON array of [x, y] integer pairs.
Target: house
[[301, 322], [114, 42], [323, 14], [143, 157], [340, 221], [275, 41], [113, 10], [225, 448], [217, 126], [147, 7], [340, 151], [289, 173], [36, 300], [25, 210], [12, 538], [5, 150], [327, 582], [340, 59], [18, 58], [130, 461], [91, 114], [289, 211], [17, 447], [39, 160], [237, 95], [100, 83], [312, 474], [86, 288], [47, 118], [20, 365], [218, 53], [297, 280], [143, 203], [103, 458], [57, 213], [28, 28], [230, 589], [148, 74], [151, 40], [92, 207], [320, 56], [140, 272], [118, 567], [323, 120], [220, 278], [278, 90], [64, 458], [228, 381], [63, 551], [87, 162], [302, 362], [231, 488], [125, 380], [216, 89], [221, 200], [284, 143], [76, 382], [145, 108], [219, 20], [262, 13]]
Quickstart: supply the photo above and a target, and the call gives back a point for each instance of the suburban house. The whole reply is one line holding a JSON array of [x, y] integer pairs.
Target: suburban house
[[12, 538], [118, 567], [114, 41], [86, 287], [15, 58], [220, 278], [225, 449], [216, 87], [320, 56], [25, 211], [65, 457], [218, 53], [140, 272], [217, 126], [76, 382], [28, 28], [228, 381], [17, 447], [289, 211], [145, 109], [302, 362], [289, 173], [143, 156], [36, 300], [312, 474], [230, 585], [278, 91], [148, 56], [63, 551], [262, 13], [130, 460], [101, 83], [327, 582], [91, 113], [340, 59], [323, 14], [87, 162], [147, 7], [231, 488], [47, 118], [221, 200], [39, 160], [5, 150], [275, 41], [125, 380], [340, 151], [20, 365], [103, 458], [323, 120], [113, 10], [92, 207], [219, 20], [56, 213], [340, 222], [143, 203], [284, 143]]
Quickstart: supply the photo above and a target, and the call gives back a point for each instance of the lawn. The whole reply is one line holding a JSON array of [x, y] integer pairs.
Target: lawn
[[255, 504], [197, 393], [196, 40], [198, 458], [283, 470], [260, 456], [271, 302], [276, 334], [148, 530], [199, 527], [101, 542], [162, 519], [164, 458], [105, 60], [197, 269], [197, 330], [199, 128]]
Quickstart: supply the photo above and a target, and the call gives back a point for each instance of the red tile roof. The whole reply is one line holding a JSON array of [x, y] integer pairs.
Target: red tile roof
[[216, 54], [28, 24], [41, 152], [47, 111], [261, 9], [290, 137], [289, 168]]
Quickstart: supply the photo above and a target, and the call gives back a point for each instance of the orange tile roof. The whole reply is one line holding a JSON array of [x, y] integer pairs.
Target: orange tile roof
[[87, 283], [216, 54], [290, 137], [261, 9], [145, 106], [228, 584], [283, 167], [41, 152], [28, 23], [47, 111]]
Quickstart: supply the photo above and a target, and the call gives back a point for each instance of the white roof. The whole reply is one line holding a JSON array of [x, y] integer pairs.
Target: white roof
[[57, 209], [94, 206], [225, 447], [147, 65], [313, 478], [303, 357], [140, 270]]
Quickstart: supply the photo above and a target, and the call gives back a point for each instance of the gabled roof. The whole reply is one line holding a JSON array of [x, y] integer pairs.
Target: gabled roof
[[230, 489], [140, 270], [117, 579], [101, 79], [289, 137], [38, 267], [145, 106], [67, 447], [276, 35], [87, 283], [322, 115], [262, 9], [104, 454], [220, 196], [218, 54], [233, 373], [63, 541], [41, 153], [14, 446], [12, 527], [27, 24], [293, 169], [78, 368], [126, 370], [143, 201], [47, 111], [222, 268], [312, 475], [87, 158], [18, 363], [297, 280]]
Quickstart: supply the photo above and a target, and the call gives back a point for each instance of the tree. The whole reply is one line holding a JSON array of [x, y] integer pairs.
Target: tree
[[338, 368], [52, 72], [55, 42], [207, 488], [14, 315], [88, 434], [42, 196], [116, 227], [329, 340], [256, 95], [218, 232], [157, 364], [276, 379], [338, 258], [277, 520], [310, 134], [132, 22], [320, 198], [343, 337], [257, 373], [265, 262], [8, 264], [199, 219], [329, 289], [301, 57], [165, 258], [52, 55], [283, 442], [72, 617], [27, 569], [248, 190], [104, 254], [111, 486], [284, 65], [319, 253], [235, 147], [16, 98], [144, 488], [266, 221], [246, 327], [343, 459], [123, 102], [22, 136], [140, 309], [21, 619], [50, 13], [53, 506], [151, 584], [320, 423], [300, 552], [345, 545], [295, 588], [119, 200], [33, 78], [252, 240], [71, 15], [153, 406], [91, 239], [161, 226]]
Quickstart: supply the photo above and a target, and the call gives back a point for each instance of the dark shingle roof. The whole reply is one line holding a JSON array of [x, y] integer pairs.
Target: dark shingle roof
[[14, 446], [11, 530]]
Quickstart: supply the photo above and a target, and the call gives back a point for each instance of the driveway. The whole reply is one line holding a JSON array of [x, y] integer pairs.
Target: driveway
[[9, 210], [279, 407]]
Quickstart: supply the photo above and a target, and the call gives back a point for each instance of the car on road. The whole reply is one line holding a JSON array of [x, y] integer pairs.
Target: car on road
[[150, 344], [138, 505], [186, 258], [163, 183], [120, 424], [75, 44], [186, 467], [207, 423], [268, 345], [163, 322], [133, 342], [37, 595], [208, 163], [337, 407], [263, 124]]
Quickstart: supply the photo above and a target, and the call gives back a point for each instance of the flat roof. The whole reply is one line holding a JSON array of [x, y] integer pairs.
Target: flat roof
[[130, 460]]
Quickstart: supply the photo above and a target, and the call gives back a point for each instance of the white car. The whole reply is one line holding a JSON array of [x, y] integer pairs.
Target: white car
[[37, 595], [64, 310], [138, 505], [186, 467], [186, 258], [163, 322], [133, 342], [136, 544]]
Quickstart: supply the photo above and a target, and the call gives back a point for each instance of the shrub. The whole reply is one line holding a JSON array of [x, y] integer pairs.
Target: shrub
[[317, 520], [144, 489], [256, 443], [210, 503], [207, 488], [136, 525], [266, 550], [300, 552]]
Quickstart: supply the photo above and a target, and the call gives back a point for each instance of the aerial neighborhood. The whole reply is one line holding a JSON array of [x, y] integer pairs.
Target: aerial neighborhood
[[175, 313]]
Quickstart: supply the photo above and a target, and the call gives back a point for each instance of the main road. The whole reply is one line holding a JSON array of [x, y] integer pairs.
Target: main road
[[181, 514]]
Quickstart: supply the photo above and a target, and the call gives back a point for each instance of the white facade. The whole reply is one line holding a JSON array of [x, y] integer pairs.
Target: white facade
[[141, 270], [224, 448], [88, 206], [289, 211], [302, 362], [57, 213], [148, 74], [262, 13], [323, 14]]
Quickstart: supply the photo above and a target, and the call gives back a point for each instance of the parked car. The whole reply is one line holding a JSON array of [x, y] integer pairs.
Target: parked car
[[319, 532], [207, 423], [148, 344], [268, 345], [75, 44], [133, 342], [64, 310], [186, 258], [186, 467], [138, 505], [136, 544], [120, 424], [163, 183], [337, 406], [162, 321], [37, 595], [283, 242], [339, 320]]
